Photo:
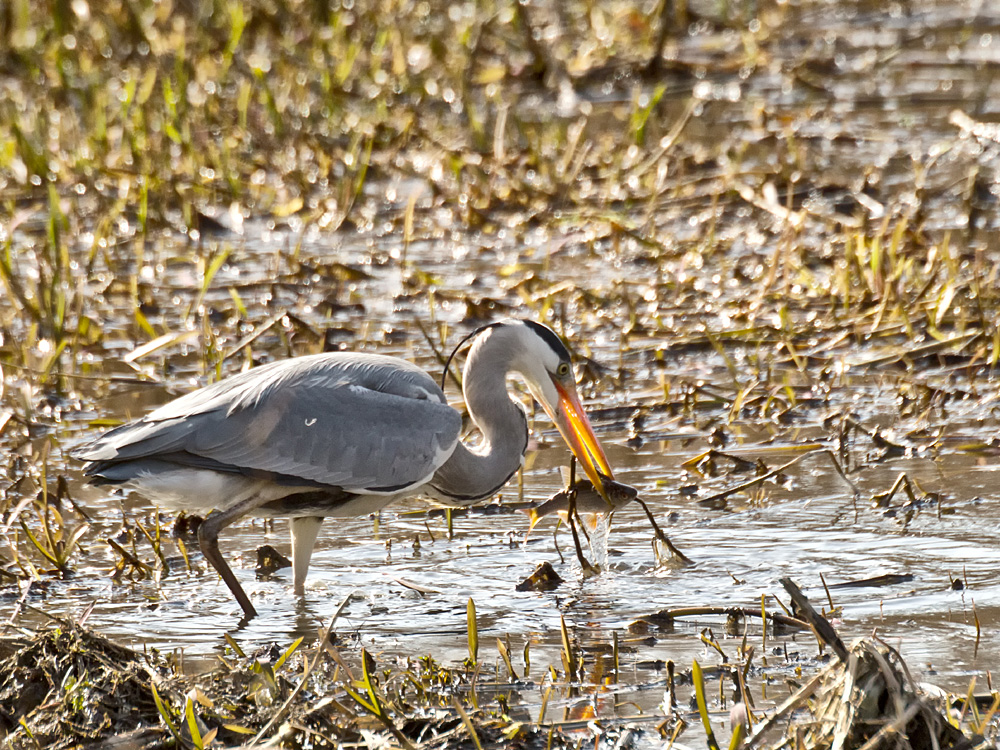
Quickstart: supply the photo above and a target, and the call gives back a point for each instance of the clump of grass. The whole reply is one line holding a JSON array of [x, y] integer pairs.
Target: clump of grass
[[56, 543]]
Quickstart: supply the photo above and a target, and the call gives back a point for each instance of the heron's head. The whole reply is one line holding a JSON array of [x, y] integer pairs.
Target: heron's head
[[540, 356]]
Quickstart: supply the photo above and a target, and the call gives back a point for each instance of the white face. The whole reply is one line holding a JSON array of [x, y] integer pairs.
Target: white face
[[541, 359], [539, 365]]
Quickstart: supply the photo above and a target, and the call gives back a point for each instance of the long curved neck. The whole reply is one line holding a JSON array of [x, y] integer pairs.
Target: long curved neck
[[475, 473]]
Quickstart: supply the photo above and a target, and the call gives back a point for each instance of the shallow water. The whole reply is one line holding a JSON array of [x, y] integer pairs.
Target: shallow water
[[812, 528], [809, 526], [869, 131]]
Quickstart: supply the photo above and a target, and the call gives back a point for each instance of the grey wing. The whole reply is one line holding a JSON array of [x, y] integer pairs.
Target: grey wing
[[362, 422]]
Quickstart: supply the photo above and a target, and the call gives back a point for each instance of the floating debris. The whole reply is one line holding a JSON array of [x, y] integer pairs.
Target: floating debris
[[544, 578], [887, 579], [269, 560]]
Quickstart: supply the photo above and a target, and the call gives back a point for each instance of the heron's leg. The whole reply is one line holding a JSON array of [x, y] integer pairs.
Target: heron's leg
[[304, 531], [208, 540]]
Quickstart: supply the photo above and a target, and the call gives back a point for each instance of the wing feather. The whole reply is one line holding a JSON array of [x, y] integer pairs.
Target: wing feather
[[363, 422]]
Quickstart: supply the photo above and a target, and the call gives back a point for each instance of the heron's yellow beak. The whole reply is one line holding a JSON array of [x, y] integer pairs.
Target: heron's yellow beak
[[575, 428]]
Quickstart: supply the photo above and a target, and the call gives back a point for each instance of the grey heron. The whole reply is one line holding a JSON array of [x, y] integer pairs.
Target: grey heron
[[343, 434]]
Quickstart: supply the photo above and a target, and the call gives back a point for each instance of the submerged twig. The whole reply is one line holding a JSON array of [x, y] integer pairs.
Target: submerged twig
[[777, 619], [723, 494], [663, 538], [820, 625]]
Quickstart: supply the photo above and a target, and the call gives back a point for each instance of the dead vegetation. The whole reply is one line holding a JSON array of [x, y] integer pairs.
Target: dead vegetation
[[872, 702], [867, 699], [769, 235], [68, 687]]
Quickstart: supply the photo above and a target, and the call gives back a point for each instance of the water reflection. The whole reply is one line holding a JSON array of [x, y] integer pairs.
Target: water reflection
[[808, 527]]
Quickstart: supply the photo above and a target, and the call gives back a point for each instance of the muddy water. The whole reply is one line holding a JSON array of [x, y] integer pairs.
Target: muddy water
[[811, 528], [850, 135], [409, 583]]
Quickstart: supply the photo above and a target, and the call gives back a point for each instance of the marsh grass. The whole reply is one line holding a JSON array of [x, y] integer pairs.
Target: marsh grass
[[418, 703], [635, 181]]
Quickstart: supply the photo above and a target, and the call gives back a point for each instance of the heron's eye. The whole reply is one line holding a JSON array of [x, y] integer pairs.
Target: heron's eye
[[563, 369]]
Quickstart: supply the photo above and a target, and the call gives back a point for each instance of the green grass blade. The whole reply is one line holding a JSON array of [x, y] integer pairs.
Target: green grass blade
[[699, 691], [164, 712], [192, 722], [234, 646], [736, 741], [284, 657], [569, 654], [505, 655], [473, 631], [375, 705], [42, 550]]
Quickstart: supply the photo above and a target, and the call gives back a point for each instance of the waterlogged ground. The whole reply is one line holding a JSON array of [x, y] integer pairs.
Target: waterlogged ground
[[775, 239], [409, 582]]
